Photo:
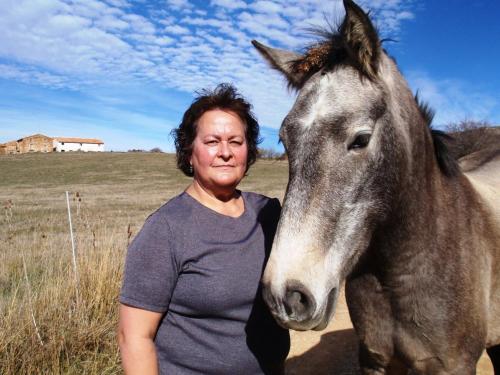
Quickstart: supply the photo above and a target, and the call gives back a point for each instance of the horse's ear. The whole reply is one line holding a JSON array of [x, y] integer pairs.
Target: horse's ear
[[282, 61], [361, 38]]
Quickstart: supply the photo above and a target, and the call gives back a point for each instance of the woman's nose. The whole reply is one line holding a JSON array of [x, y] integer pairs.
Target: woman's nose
[[224, 150]]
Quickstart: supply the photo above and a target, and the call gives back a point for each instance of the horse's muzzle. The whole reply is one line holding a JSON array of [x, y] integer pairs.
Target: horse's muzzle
[[295, 308]]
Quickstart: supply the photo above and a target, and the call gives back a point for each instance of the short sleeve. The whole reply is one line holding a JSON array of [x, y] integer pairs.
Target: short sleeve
[[150, 267], [268, 218]]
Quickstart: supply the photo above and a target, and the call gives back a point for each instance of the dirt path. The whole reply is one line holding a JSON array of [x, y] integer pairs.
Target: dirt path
[[334, 350]]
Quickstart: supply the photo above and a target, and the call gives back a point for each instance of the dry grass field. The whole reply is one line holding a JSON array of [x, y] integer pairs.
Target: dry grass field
[[54, 320]]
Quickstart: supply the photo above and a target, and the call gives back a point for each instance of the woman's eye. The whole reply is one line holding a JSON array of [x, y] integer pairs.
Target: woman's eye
[[361, 141], [211, 143]]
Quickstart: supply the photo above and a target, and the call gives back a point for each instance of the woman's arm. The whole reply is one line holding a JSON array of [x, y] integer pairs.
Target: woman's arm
[[136, 332]]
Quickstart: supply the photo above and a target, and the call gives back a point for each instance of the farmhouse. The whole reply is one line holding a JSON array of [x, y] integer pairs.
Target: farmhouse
[[43, 143], [62, 144], [8, 148], [34, 143]]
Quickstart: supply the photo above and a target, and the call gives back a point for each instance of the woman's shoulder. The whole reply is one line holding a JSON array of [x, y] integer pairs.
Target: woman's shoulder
[[175, 208], [258, 199], [259, 202]]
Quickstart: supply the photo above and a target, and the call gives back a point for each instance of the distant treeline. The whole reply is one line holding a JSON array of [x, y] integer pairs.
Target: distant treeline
[[270, 153], [154, 150]]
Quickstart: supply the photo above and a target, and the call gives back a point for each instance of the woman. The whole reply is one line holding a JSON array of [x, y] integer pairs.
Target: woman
[[190, 301]]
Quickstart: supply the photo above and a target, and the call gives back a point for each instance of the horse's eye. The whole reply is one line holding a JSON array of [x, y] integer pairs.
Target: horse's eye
[[361, 141]]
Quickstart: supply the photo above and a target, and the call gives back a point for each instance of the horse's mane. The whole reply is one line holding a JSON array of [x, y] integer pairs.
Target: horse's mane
[[446, 160], [325, 53], [329, 51]]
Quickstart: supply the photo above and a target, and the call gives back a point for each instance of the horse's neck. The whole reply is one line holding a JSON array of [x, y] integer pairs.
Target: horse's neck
[[436, 227], [423, 188], [429, 228]]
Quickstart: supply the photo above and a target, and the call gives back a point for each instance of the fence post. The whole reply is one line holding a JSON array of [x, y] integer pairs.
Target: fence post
[[72, 241]]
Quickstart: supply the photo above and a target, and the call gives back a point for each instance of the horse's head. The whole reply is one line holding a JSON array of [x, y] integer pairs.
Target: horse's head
[[348, 152]]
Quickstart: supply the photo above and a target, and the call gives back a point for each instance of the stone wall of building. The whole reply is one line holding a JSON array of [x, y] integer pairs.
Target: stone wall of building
[[8, 148], [35, 143]]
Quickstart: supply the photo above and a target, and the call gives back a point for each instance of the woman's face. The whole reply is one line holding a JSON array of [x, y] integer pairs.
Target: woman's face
[[219, 156]]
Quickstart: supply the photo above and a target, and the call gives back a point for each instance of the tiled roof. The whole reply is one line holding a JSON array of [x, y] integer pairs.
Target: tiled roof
[[78, 140]]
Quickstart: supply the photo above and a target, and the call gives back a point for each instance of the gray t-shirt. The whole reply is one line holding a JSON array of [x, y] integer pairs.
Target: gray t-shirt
[[203, 269]]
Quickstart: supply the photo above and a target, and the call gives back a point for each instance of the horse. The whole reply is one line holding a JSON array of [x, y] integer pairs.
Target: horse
[[374, 199]]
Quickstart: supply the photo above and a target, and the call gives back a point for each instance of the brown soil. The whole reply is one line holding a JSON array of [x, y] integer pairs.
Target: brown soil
[[334, 350]]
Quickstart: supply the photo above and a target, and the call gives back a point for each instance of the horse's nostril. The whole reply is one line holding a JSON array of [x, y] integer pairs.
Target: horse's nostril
[[298, 302], [295, 302]]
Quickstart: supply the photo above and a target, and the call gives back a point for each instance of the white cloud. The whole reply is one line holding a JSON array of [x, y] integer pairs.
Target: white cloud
[[65, 23], [164, 40], [216, 41], [179, 4], [140, 24], [31, 75], [405, 15], [110, 22], [206, 22], [292, 11], [91, 8], [229, 4], [176, 29], [189, 40], [274, 20], [118, 3], [265, 6]]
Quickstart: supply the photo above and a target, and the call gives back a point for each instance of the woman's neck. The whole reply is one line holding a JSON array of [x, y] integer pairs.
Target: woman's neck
[[227, 202]]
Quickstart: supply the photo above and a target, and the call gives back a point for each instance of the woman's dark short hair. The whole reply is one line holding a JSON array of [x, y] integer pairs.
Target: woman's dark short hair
[[224, 97]]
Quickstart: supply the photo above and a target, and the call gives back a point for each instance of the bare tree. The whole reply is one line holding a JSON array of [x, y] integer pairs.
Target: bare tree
[[270, 153], [469, 136], [466, 124]]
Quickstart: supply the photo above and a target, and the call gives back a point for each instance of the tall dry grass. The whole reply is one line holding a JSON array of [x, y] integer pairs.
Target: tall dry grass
[[52, 322]]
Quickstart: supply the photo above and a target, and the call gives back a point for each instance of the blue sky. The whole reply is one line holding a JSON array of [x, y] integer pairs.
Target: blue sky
[[125, 71]]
